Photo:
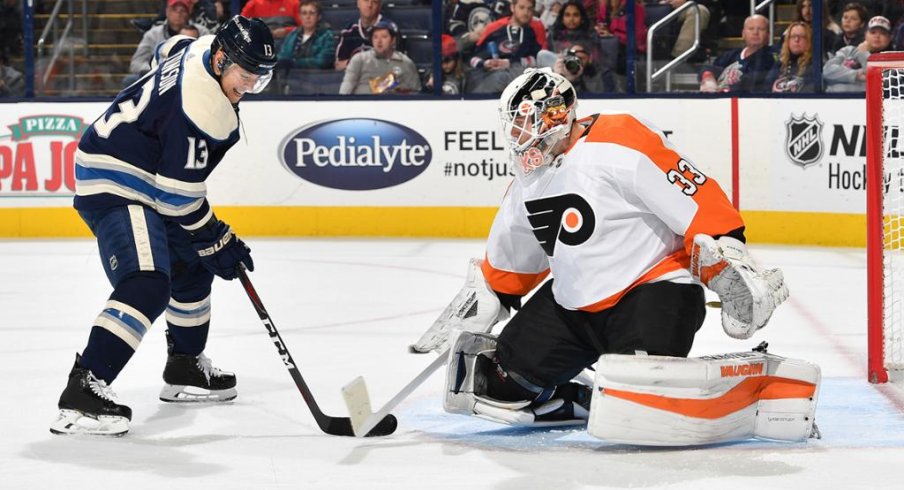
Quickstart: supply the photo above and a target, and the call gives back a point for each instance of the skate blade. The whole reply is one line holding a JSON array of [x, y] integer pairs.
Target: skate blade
[[193, 394], [73, 422]]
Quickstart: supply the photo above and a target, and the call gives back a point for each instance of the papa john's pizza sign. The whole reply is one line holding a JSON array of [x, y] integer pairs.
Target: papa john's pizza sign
[[37, 156]]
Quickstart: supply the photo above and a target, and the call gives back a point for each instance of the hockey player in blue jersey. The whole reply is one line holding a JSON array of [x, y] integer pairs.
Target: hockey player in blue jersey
[[140, 187]]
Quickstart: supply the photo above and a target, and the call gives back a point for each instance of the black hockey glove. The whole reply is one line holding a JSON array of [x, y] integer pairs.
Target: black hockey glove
[[220, 250]]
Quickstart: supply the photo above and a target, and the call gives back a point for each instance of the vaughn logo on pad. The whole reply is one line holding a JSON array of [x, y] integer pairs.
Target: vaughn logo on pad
[[356, 154]]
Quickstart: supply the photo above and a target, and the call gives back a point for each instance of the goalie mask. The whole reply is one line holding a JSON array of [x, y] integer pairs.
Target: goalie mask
[[537, 110]]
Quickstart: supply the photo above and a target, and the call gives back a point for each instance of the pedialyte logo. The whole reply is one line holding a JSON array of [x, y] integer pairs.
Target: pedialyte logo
[[803, 139], [356, 154], [567, 218]]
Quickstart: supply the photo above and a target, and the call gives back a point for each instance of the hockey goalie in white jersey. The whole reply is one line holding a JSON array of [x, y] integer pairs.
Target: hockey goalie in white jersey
[[629, 229]]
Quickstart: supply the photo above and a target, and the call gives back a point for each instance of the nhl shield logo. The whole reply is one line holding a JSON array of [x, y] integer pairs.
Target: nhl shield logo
[[803, 140]]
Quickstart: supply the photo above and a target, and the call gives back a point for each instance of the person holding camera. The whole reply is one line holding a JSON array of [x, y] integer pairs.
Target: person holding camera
[[576, 65]]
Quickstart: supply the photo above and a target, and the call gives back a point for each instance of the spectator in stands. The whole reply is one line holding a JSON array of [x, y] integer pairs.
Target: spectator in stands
[[281, 16], [356, 36], [505, 49], [846, 71], [177, 13], [10, 28], [465, 21], [573, 26], [190, 31], [830, 30], [453, 71], [209, 14], [743, 69], [382, 69], [686, 24], [550, 11], [612, 20], [853, 19], [587, 77], [12, 83], [795, 71], [311, 46]]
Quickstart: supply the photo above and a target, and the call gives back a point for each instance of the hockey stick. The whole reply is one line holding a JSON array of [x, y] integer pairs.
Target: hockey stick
[[337, 426], [358, 401]]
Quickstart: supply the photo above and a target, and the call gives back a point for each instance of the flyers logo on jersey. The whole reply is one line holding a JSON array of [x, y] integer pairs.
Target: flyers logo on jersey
[[567, 218]]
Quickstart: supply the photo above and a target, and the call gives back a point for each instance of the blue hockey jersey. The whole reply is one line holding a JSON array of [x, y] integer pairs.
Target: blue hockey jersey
[[160, 138]]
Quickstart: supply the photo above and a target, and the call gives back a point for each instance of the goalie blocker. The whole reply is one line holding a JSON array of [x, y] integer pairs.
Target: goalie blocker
[[670, 401]]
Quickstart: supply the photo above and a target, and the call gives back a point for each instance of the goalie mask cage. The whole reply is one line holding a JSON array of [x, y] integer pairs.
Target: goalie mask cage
[[885, 215]]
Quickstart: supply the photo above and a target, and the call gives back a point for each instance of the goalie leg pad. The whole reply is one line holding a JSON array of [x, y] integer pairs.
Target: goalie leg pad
[[671, 401], [471, 362]]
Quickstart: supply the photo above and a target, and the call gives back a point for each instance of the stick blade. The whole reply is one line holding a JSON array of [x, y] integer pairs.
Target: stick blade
[[358, 403], [386, 427]]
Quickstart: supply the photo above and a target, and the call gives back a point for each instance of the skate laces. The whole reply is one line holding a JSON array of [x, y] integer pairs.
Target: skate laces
[[100, 388], [207, 367]]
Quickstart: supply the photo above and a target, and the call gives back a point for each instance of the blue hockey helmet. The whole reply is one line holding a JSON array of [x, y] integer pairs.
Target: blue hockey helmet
[[247, 43]]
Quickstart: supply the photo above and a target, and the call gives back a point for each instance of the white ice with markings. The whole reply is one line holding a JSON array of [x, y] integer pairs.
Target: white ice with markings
[[350, 307]]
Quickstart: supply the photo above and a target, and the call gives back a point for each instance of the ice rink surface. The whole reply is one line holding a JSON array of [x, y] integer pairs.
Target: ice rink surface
[[350, 307]]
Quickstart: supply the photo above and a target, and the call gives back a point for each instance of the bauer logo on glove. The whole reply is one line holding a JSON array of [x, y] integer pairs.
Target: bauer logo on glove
[[216, 247]]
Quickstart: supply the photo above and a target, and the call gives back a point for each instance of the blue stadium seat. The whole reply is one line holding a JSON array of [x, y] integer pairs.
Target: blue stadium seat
[[655, 12], [339, 17], [411, 18], [312, 82], [327, 4], [419, 48], [404, 3]]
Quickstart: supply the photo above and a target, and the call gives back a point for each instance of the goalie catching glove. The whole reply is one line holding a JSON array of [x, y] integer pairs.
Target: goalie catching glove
[[476, 308], [748, 296]]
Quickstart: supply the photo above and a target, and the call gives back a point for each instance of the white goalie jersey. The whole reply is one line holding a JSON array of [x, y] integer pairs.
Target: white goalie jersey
[[620, 209]]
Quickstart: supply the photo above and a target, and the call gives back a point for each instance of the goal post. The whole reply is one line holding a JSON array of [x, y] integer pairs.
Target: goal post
[[885, 215]]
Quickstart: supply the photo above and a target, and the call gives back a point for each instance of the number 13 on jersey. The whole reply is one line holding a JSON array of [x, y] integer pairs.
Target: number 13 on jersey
[[197, 154]]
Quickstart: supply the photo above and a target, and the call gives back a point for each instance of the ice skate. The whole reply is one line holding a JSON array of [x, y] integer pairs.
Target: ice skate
[[574, 409], [88, 406], [194, 379]]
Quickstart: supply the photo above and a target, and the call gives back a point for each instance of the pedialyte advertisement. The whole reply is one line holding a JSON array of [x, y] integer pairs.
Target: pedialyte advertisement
[[795, 155]]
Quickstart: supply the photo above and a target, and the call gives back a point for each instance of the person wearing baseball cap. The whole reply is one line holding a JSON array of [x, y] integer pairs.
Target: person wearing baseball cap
[[846, 71], [177, 17]]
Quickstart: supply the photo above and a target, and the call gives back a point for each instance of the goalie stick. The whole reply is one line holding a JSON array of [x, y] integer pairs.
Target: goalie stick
[[337, 426], [358, 401]]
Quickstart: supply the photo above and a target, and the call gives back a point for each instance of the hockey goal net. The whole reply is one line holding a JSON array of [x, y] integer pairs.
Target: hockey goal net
[[885, 216]]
